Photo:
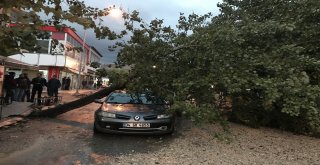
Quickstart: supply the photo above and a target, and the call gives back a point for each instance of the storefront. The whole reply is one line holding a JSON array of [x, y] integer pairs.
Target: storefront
[[11, 65]]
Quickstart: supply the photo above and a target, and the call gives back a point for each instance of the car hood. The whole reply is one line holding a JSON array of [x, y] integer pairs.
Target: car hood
[[132, 108]]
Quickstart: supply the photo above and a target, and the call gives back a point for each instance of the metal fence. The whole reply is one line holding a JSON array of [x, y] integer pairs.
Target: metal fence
[[47, 101]]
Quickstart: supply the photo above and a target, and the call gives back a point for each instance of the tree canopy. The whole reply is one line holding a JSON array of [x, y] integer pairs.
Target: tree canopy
[[25, 15], [263, 54]]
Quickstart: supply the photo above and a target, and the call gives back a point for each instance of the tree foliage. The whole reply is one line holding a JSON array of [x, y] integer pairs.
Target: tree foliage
[[101, 72], [24, 14], [116, 76], [263, 54], [95, 65]]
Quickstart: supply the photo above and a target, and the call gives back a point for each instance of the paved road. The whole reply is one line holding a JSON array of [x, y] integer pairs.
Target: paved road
[[69, 139]]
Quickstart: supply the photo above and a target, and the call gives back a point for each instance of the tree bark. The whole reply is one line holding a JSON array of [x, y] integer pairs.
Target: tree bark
[[60, 109]]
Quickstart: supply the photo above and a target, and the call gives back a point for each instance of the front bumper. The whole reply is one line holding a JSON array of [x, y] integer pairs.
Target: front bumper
[[110, 125]]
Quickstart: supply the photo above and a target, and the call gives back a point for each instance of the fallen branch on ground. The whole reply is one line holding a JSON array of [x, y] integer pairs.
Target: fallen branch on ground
[[63, 108]]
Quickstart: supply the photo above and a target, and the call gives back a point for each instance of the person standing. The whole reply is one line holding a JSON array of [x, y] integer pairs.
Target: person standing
[[9, 85], [38, 84], [63, 83], [27, 91], [68, 82], [99, 83], [53, 86], [22, 86], [91, 85]]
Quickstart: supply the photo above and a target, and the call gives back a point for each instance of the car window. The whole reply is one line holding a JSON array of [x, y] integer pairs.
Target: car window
[[126, 98]]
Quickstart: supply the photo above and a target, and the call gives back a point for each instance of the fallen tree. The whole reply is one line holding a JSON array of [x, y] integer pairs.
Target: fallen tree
[[63, 108]]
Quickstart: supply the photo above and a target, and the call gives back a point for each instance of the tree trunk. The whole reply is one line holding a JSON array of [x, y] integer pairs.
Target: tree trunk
[[60, 109]]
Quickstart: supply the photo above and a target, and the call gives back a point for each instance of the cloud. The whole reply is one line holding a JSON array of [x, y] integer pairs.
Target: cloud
[[168, 10]]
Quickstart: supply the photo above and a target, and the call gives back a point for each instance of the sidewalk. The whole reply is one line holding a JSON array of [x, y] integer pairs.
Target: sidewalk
[[14, 113], [17, 111]]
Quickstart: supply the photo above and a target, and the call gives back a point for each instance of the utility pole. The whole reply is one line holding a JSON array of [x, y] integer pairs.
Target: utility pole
[[83, 53]]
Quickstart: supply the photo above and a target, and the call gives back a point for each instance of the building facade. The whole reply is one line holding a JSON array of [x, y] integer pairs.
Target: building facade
[[61, 55]]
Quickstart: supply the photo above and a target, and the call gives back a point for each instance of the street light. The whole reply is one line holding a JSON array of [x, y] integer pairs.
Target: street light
[[83, 53], [116, 13]]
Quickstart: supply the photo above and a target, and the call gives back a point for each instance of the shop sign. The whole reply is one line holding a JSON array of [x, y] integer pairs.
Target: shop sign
[[53, 71]]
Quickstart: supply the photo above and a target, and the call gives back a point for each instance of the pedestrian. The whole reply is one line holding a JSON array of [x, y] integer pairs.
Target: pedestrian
[[38, 84], [22, 86], [27, 91], [91, 85], [99, 84], [9, 85], [53, 86], [68, 82], [84, 84], [63, 83]]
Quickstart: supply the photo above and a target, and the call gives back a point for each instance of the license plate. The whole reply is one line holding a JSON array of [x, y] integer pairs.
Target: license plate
[[137, 125]]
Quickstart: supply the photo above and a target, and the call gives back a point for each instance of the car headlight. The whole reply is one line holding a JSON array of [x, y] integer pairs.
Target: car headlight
[[164, 116], [107, 114]]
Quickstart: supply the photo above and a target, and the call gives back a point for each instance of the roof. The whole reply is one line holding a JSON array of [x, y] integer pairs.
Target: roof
[[67, 30], [12, 63], [93, 48]]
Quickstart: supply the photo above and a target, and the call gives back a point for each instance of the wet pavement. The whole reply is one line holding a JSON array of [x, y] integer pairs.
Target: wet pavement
[[69, 139]]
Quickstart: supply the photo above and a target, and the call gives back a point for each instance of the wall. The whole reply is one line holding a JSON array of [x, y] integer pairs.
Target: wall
[[40, 59]]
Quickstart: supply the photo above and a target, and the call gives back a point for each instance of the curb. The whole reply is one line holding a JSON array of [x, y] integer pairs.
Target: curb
[[14, 119]]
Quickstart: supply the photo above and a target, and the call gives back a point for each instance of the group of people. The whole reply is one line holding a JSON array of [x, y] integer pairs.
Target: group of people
[[66, 81], [18, 89]]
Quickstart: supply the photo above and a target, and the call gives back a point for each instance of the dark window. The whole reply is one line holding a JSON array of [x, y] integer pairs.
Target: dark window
[[126, 98], [44, 46]]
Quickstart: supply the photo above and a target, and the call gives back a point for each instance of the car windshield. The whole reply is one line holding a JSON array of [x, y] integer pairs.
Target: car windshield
[[126, 98]]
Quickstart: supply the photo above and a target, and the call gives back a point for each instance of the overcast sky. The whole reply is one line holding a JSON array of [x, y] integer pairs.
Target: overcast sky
[[169, 10]]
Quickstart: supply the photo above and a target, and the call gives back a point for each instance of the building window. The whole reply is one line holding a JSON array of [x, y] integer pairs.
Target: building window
[[69, 50], [43, 45], [57, 47], [69, 39]]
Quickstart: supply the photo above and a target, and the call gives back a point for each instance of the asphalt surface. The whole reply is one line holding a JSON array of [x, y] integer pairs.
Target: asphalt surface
[[69, 139]]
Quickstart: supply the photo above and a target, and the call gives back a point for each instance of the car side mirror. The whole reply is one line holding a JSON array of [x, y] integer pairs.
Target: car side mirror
[[99, 101]]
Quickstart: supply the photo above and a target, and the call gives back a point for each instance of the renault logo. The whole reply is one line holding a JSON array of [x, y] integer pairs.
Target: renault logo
[[136, 118]]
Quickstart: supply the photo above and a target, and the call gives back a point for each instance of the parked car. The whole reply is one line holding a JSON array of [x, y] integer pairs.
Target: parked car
[[138, 113]]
